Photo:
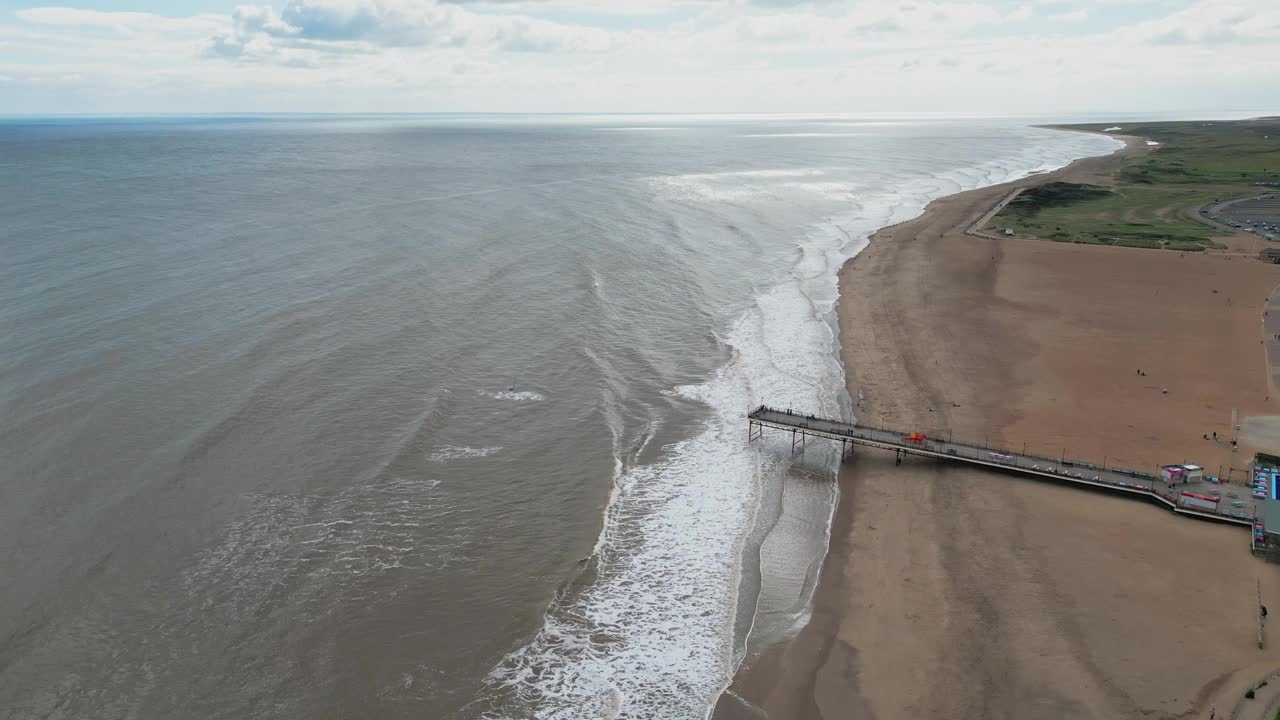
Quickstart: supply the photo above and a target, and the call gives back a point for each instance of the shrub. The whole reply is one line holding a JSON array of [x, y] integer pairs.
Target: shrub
[[1055, 194]]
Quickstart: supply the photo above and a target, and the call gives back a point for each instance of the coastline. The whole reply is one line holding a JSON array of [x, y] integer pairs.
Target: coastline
[[948, 592]]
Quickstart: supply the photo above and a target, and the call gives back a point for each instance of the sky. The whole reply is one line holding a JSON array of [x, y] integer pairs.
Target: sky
[[1037, 57]]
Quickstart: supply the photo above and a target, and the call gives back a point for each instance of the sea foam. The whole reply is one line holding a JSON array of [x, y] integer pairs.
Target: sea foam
[[513, 395], [652, 636], [452, 452]]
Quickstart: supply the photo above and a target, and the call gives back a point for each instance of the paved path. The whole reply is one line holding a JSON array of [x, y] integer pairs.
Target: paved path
[[977, 227], [1271, 336]]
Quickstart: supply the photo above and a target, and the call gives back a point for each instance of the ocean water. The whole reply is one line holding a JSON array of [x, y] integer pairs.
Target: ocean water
[[433, 416]]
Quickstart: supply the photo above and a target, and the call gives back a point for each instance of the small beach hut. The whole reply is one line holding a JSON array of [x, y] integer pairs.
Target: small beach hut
[[1192, 473], [1173, 474]]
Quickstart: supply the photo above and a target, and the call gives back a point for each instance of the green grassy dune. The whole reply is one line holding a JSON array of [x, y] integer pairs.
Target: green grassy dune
[[1196, 163]]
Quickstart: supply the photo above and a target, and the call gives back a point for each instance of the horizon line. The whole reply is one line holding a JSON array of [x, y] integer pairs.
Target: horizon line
[[1192, 114]]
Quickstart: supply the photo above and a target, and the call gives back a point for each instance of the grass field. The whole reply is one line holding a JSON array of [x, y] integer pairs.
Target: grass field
[[1196, 163]]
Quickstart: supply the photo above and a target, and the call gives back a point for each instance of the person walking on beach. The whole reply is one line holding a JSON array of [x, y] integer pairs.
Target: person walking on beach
[[1213, 713]]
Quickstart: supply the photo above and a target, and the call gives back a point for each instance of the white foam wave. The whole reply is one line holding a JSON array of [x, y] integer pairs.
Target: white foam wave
[[653, 634], [355, 537], [875, 123], [453, 452], [741, 185], [614, 423], [650, 430], [801, 135], [695, 189], [514, 395], [733, 175], [657, 626], [641, 129], [788, 173], [834, 190]]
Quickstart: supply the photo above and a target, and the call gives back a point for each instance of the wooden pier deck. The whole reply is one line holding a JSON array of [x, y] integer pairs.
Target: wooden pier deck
[[1115, 480]]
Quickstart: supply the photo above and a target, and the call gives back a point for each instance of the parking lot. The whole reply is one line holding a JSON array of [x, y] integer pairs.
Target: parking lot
[[1258, 214]]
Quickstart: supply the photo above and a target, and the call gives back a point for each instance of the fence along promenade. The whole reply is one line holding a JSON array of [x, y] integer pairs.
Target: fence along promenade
[[1116, 480]]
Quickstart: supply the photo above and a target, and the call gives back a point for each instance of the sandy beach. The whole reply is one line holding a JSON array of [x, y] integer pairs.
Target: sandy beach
[[954, 593]]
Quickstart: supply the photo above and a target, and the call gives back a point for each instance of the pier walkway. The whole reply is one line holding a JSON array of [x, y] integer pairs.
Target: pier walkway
[[1240, 511]]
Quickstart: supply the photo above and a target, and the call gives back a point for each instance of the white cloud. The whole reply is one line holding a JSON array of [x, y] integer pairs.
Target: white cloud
[[1215, 23], [339, 27], [385, 22], [122, 23], [1019, 14], [632, 8], [252, 19], [1074, 16], [772, 55], [859, 27]]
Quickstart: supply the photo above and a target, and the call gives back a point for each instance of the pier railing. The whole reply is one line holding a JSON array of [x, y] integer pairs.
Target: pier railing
[[983, 454]]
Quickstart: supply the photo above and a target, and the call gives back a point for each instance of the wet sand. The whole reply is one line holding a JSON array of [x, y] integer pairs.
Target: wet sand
[[955, 593]]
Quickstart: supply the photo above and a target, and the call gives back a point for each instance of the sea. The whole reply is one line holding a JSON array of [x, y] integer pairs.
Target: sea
[[429, 416]]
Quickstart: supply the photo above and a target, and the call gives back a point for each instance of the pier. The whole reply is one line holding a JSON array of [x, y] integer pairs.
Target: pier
[[1143, 485]]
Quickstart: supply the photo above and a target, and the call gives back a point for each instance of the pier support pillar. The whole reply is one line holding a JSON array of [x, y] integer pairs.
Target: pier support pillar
[[797, 440]]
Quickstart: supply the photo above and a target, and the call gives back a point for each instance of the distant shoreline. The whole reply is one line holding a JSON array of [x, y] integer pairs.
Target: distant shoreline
[[777, 674], [945, 329]]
